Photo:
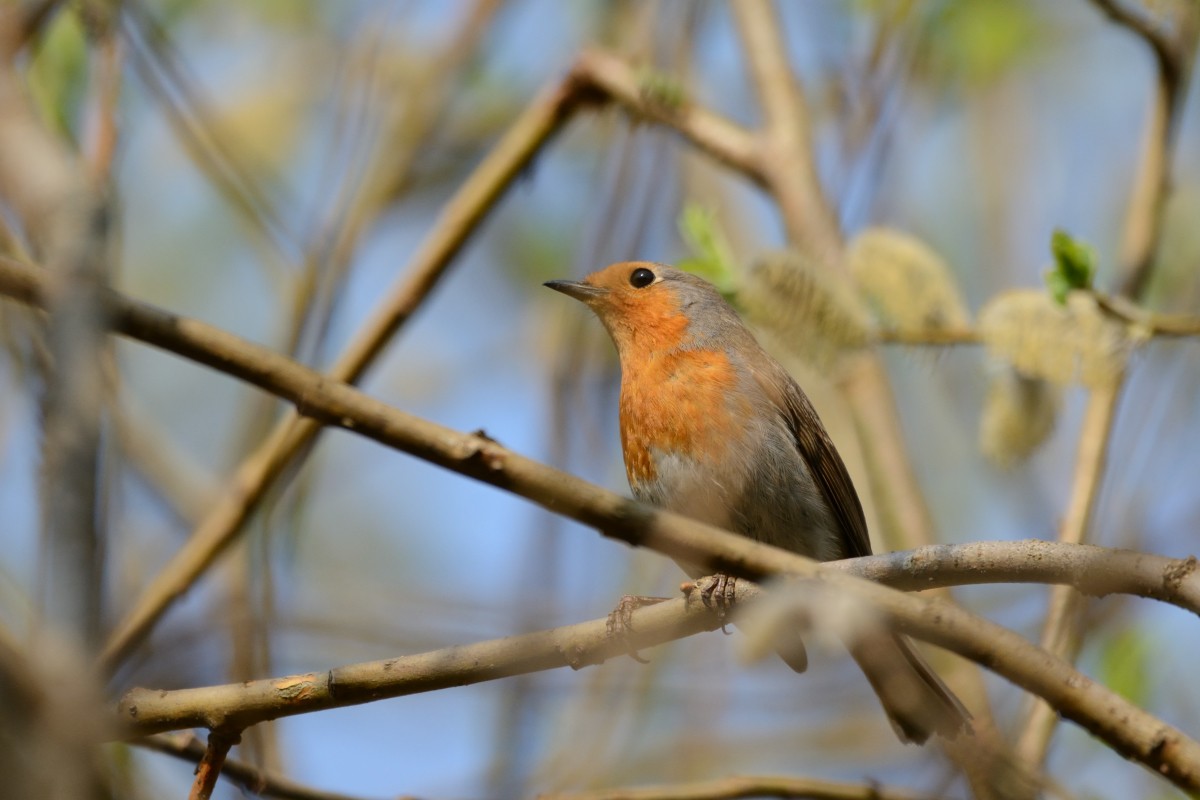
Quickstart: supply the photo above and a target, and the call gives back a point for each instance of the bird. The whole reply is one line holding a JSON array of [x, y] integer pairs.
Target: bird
[[714, 428]]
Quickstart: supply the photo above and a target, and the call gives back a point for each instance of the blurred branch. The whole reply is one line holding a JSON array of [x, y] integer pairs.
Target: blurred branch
[[750, 787], [728, 143], [19, 21], [1174, 56], [934, 337], [184, 486], [1171, 61], [209, 768], [261, 469], [785, 144], [252, 780], [156, 63], [1126, 728], [1165, 325], [1061, 632], [67, 221]]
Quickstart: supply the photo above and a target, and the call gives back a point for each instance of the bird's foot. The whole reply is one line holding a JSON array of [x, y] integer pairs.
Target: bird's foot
[[620, 620], [719, 592]]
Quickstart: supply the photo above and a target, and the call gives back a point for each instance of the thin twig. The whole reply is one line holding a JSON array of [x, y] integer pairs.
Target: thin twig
[[209, 768], [254, 781], [1060, 631], [750, 787], [726, 142], [1147, 203], [1148, 322]]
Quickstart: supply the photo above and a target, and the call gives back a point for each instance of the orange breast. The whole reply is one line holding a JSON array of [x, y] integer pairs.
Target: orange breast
[[679, 403]]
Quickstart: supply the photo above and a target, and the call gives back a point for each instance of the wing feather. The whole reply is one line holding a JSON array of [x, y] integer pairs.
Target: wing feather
[[826, 466]]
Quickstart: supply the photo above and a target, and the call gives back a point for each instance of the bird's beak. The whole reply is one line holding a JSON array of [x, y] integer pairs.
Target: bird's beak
[[581, 291]]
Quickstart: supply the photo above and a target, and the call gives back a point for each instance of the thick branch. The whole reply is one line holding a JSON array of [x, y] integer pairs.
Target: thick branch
[[145, 711]]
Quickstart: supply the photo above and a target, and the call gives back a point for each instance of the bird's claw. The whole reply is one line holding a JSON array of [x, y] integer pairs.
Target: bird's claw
[[719, 592], [620, 620]]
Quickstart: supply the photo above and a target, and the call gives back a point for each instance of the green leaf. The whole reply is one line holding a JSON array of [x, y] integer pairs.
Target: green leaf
[[1125, 663], [1074, 266], [58, 71], [709, 252]]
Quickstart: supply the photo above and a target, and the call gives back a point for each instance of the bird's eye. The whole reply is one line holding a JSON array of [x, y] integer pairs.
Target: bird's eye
[[641, 278]]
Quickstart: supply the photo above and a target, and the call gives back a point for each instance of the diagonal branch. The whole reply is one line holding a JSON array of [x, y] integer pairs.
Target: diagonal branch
[[292, 435], [253, 781]]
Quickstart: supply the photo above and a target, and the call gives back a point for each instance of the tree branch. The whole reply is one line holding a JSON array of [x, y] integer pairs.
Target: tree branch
[[147, 711], [1144, 219], [786, 150], [67, 221], [750, 787], [209, 768], [1060, 630], [292, 435], [254, 781]]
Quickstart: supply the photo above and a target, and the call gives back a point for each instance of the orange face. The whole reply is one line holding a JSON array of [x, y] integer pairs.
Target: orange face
[[637, 303]]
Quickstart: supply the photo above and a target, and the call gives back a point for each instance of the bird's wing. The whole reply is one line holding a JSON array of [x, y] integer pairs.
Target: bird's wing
[[824, 463]]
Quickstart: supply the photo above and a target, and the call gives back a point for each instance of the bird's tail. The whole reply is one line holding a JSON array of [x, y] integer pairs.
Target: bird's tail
[[917, 703]]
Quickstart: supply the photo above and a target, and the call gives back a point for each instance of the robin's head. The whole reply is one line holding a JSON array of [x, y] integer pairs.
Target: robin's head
[[650, 307]]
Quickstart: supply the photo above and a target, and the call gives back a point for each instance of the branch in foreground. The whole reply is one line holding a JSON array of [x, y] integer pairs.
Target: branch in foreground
[[209, 768], [1090, 569], [750, 787], [1128, 729], [149, 711], [260, 783]]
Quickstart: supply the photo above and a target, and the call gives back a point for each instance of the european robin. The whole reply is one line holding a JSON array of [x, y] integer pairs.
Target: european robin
[[713, 428]]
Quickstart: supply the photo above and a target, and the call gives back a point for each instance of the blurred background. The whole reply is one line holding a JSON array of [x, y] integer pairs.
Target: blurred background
[[276, 167]]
